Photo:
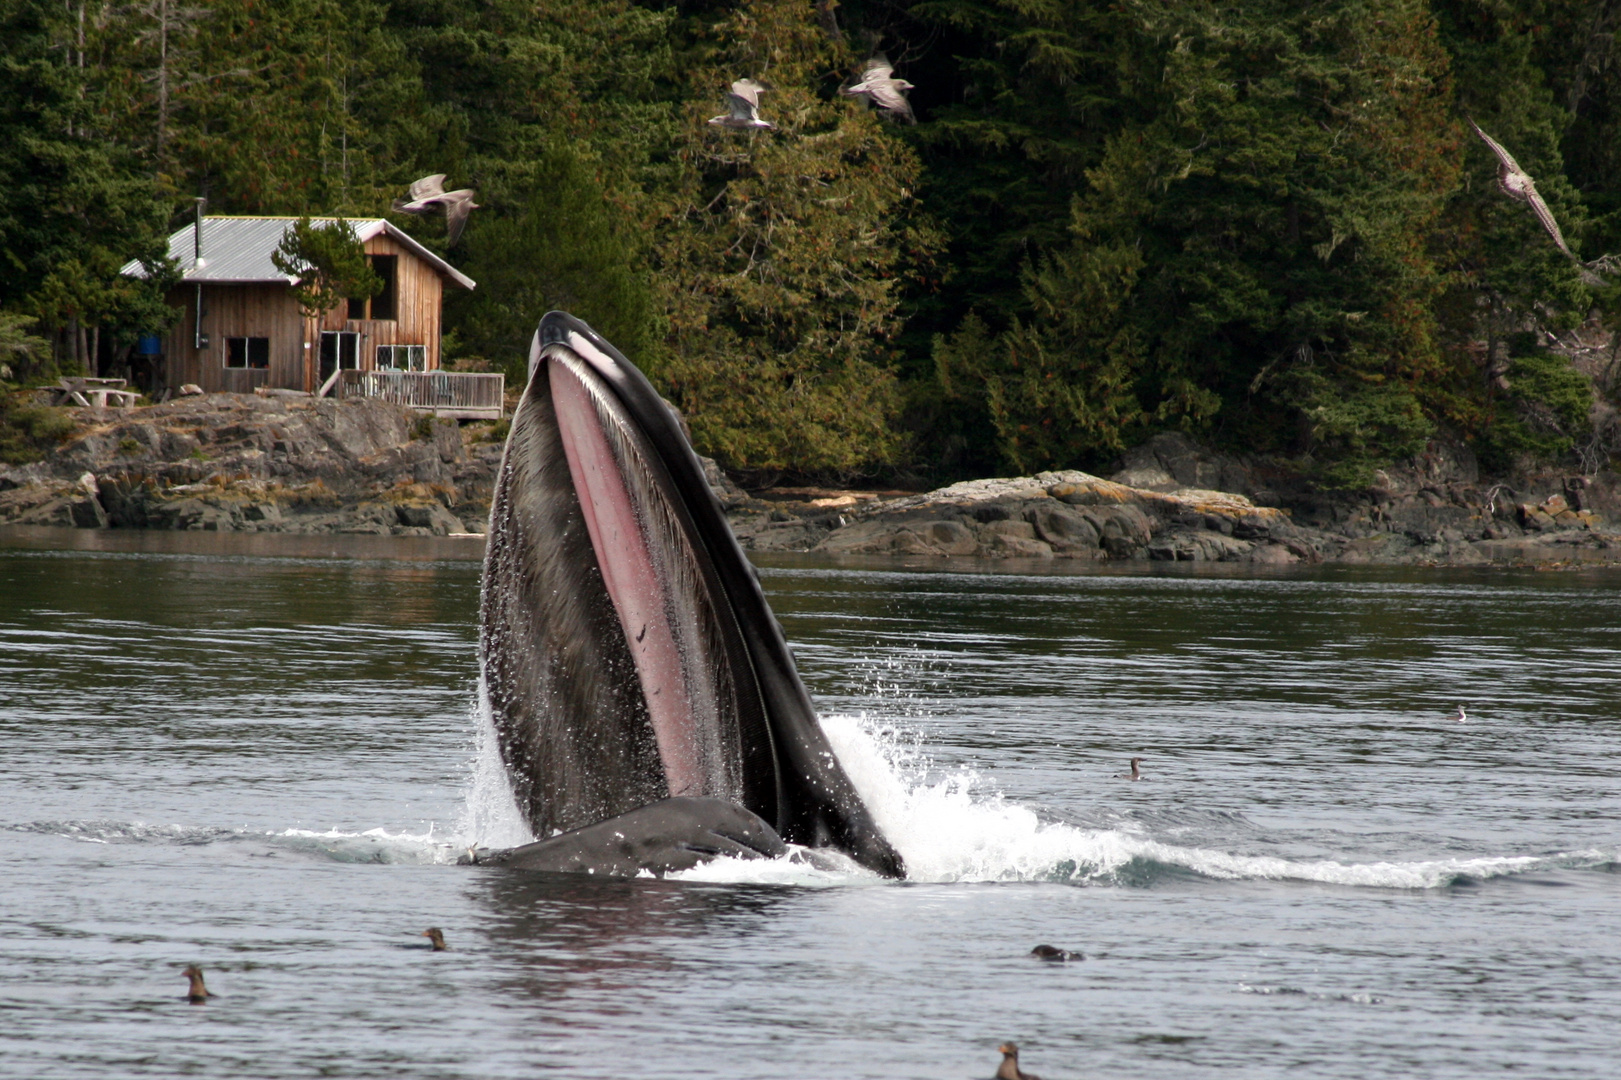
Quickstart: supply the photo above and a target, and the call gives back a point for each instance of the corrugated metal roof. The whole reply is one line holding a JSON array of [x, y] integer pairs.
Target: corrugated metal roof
[[236, 250]]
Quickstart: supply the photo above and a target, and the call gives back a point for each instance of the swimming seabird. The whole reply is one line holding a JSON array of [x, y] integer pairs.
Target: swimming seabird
[[744, 103], [1056, 955], [1009, 1069], [879, 86], [198, 993], [1462, 717], [429, 194], [1133, 774], [435, 935]]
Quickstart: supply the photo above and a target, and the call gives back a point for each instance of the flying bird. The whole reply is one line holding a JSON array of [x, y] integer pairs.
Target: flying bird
[[744, 103], [428, 195], [879, 86], [1516, 183], [1009, 1069]]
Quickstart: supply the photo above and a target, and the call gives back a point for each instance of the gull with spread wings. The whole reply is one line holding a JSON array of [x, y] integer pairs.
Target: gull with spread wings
[[743, 104], [428, 195], [879, 86], [1516, 183]]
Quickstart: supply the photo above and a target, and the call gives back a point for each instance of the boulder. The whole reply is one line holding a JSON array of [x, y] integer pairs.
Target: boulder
[[1063, 529], [430, 516], [1008, 546]]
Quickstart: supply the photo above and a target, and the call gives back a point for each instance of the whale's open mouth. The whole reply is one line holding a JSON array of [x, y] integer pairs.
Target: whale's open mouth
[[628, 651]]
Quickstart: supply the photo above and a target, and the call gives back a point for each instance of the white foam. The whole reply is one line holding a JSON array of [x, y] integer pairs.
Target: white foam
[[374, 845], [955, 826], [490, 816]]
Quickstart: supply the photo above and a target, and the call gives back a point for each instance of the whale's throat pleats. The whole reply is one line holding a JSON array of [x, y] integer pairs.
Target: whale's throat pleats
[[616, 671]]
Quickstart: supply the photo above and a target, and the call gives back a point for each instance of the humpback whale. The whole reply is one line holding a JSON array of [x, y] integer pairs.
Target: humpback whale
[[646, 705]]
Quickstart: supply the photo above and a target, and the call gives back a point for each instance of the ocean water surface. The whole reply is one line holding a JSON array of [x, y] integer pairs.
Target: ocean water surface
[[263, 755]]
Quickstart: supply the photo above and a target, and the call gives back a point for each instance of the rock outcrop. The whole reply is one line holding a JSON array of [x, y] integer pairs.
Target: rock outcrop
[[1429, 516], [247, 463]]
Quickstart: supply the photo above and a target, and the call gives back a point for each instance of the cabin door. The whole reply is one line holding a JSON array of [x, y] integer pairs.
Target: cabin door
[[340, 351]]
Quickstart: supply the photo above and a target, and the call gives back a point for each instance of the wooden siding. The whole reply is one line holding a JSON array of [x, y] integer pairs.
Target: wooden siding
[[270, 311], [419, 294], [266, 311]]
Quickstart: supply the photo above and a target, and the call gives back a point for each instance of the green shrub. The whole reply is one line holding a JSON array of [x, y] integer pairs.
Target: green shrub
[[1545, 413], [29, 431]]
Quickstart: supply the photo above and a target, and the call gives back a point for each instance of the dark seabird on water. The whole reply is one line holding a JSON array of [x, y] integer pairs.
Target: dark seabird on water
[[198, 993], [428, 195], [1055, 955], [437, 937], [1133, 774], [744, 103], [1009, 1069], [879, 86]]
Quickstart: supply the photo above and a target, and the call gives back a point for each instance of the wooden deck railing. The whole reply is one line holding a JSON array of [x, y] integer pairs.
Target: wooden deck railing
[[465, 395]]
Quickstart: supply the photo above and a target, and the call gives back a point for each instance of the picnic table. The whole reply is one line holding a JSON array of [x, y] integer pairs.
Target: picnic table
[[93, 393]]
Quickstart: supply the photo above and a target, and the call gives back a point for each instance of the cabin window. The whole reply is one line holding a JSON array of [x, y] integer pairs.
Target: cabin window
[[385, 304], [247, 352], [402, 358]]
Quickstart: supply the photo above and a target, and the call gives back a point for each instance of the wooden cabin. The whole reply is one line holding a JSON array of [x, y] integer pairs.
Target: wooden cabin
[[242, 329]]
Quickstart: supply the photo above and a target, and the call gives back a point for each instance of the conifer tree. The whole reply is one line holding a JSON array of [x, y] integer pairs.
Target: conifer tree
[[783, 256]]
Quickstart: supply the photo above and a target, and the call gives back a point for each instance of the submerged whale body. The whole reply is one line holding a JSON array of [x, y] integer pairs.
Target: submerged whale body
[[645, 703]]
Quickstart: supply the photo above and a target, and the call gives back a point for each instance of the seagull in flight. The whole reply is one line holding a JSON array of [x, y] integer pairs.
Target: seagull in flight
[[879, 86], [429, 194], [744, 105]]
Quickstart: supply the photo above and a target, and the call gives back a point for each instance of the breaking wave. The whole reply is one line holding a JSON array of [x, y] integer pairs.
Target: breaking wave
[[956, 827]]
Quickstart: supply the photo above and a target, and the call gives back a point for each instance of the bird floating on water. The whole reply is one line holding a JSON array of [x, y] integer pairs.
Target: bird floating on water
[[198, 993], [1462, 717], [879, 86], [437, 937], [1055, 955], [1009, 1069], [1517, 184], [744, 105], [428, 195], [1134, 774]]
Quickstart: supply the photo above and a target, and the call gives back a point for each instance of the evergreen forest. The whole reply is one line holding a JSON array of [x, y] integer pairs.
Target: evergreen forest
[[1267, 224]]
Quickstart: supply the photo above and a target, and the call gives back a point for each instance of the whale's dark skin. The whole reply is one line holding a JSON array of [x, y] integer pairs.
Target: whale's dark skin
[[640, 688], [671, 835]]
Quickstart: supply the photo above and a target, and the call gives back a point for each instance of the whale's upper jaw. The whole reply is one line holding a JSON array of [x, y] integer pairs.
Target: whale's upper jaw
[[629, 653]]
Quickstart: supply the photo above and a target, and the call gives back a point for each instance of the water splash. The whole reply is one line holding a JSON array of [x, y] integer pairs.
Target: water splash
[[489, 816]]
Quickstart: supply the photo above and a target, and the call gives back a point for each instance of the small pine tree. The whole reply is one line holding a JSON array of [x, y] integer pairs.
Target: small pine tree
[[328, 262]]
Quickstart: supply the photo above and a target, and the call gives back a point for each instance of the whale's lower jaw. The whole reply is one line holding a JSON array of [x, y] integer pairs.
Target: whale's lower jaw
[[628, 652], [662, 838]]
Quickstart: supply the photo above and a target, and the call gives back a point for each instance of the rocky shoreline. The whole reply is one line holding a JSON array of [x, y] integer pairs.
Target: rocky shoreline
[[296, 464], [249, 463], [1164, 506]]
